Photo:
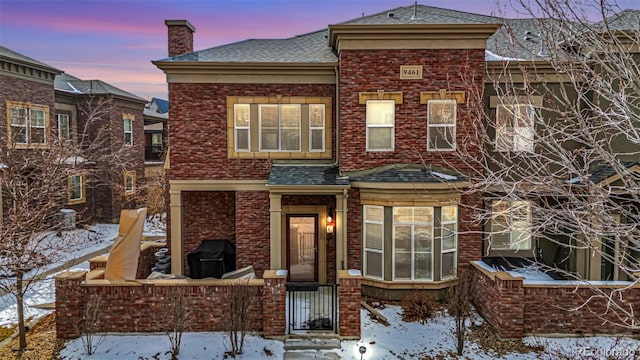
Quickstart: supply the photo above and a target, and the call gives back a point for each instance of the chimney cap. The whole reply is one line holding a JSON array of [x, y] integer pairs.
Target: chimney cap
[[180, 23]]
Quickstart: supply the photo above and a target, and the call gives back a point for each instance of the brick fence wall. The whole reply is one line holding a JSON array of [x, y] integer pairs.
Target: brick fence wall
[[516, 309]]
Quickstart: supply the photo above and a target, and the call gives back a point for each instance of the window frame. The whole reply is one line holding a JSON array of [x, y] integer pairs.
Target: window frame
[[129, 175], [236, 128], [455, 241], [413, 251], [378, 126], [304, 103], [453, 126], [312, 128], [365, 221], [28, 124], [82, 187], [509, 133], [67, 136], [128, 118], [510, 225]]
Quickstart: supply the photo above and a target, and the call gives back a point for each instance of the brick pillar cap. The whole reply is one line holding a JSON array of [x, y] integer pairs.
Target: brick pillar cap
[[72, 274], [180, 23], [349, 274], [274, 274]]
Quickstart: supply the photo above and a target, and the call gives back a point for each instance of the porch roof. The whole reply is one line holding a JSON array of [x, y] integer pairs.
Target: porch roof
[[606, 172], [306, 175], [407, 173]]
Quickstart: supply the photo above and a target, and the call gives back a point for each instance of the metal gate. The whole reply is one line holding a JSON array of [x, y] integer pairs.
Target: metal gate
[[311, 306]]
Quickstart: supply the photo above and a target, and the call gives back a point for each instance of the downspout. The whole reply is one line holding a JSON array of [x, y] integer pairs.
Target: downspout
[[337, 115]]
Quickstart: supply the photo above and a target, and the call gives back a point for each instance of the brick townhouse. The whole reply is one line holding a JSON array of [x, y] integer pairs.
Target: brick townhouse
[[349, 148], [59, 106]]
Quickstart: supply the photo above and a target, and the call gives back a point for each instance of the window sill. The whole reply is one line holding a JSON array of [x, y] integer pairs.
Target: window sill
[[278, 155], [384, 284], [30, 146], [76, 202]]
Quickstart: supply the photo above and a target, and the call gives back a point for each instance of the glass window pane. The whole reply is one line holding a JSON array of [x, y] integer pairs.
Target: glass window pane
[[423, 214], [317, 139], [127, 125], [423, 238], [441, 137], [18, 116], [316, 115], [19, 134], [373, 264], [523, 139], [448, 237], [374, 213], [442, 112], [524, 116], [37, 117], [242, 115], [423, 266], [402, 265], [290, 116], [448, 264], [402, 214], [380, 112], [37, 135], [449, 213], [268, 116], [373, 236], [402, 237], [242, 139], [291, 139], [63, 126], [380, 138], [270, 139]]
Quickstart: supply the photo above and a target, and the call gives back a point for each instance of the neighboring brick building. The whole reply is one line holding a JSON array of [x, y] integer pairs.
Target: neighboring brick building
[[68, 105]]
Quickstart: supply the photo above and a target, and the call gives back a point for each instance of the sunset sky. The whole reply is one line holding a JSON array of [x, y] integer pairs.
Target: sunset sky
[[115, 41]]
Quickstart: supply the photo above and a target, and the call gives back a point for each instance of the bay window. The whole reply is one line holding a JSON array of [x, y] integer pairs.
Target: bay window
[[416, 243]]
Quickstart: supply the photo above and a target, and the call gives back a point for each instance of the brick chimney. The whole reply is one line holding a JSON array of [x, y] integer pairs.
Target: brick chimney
[[180, 37]]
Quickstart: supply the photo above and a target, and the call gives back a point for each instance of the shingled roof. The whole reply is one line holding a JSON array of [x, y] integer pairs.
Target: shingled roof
[[305, 175], [517, 39], [72, 84], [8, 54], [407, 173]]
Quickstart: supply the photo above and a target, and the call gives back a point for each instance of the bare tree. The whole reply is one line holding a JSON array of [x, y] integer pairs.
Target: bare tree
[[35, 187], [559, 173], [240, 296], [176, 319], [90, 323], [459, 307]]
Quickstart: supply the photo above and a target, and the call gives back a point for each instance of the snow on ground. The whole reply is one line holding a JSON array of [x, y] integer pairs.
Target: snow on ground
[[400, 340], [85, 241]]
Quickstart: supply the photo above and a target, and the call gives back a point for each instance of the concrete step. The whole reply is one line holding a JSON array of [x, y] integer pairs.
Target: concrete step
[[302, 355], [312, 344]]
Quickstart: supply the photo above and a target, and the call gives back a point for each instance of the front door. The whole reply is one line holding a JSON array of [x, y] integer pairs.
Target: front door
[[302, 247]]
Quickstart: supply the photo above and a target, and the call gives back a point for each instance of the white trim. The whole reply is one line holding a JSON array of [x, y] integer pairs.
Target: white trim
[[236, 127], [412, 224], [452, 126], [364, 242], [455, 248], [384, 126]]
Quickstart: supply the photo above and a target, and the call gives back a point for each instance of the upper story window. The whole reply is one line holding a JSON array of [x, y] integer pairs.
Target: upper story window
[[279, 127], [510, 225], [128, 129], [514, 127], [316, 127], [441, 123], [28, 123], [64, 127], [380, 125], [76, 189]]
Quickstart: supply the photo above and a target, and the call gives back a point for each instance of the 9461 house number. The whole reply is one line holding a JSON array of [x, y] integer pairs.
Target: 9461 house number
[[410, 72]]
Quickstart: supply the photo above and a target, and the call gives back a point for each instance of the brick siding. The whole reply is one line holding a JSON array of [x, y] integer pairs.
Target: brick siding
[[252, 230]]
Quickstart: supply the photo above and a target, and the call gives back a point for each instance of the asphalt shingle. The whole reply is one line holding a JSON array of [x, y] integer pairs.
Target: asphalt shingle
[[305, 175], [414, 173]]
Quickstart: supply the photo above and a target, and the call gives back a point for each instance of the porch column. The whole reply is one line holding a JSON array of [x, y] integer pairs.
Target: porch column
[[175, 205], [275, 243], [341, 232]]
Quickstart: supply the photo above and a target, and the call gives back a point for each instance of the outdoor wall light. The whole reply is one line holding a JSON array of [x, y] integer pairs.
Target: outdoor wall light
[[330, 223]]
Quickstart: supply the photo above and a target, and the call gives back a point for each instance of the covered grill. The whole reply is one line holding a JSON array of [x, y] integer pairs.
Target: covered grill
[[212, 258]]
